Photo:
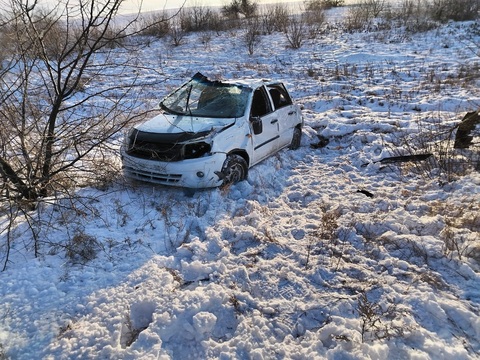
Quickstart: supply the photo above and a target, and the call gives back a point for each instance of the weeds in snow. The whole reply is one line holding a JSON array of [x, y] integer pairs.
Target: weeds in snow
[[461, 234], [137, 319], [324, 235], [435, 135], [378, 323], [3, 356], [237, 306], [129, 332], [82, 248]]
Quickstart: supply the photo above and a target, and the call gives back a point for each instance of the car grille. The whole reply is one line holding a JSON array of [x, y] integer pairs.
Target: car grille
[[166, 147], [157, 151], [153, 176]]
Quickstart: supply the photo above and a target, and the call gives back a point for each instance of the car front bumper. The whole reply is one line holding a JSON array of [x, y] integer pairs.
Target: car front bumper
[[190, 173]]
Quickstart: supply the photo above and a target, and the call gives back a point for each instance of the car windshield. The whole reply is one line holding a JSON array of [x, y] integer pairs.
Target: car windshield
[[201, 97]]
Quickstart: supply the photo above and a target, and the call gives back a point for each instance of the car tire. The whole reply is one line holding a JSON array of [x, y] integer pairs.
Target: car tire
[[296, 139], [234, 169]]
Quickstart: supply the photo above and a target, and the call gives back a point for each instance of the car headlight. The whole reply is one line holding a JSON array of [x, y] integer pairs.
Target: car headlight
[[196, 150]]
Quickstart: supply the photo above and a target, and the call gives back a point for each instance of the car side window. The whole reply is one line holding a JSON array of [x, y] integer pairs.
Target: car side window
[[260, 104], [279, 95]]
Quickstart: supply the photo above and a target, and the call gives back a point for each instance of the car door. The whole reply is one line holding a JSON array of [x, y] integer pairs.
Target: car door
[[285, 111], [264, 124]]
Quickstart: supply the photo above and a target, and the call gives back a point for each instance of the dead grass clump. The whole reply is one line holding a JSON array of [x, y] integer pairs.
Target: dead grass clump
[[433, 279], [82, 248]]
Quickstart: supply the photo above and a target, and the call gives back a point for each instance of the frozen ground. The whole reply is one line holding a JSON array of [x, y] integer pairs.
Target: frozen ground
[[295, 262]]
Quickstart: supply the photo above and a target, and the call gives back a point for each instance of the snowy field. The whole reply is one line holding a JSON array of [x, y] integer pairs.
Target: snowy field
[[295, 262]]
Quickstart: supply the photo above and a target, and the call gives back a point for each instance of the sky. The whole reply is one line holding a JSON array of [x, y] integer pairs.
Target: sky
[[132, 6], [151, 5]]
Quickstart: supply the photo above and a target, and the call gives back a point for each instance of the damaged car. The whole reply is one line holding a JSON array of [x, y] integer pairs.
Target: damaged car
[[211, 132]]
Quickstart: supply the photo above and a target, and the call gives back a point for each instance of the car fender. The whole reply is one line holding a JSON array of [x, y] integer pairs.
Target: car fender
[[235, 139]]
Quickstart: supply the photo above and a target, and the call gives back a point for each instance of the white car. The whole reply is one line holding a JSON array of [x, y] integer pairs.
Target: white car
[[211, 132]]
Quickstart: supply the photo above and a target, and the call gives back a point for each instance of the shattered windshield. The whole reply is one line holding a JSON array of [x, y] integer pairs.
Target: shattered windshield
[[204, 98]]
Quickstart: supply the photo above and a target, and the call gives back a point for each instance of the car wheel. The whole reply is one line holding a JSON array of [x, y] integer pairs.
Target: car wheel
[[234, 169], [296, 138]]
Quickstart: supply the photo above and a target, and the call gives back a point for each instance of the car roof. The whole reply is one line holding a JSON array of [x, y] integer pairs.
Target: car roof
[[251, 83]]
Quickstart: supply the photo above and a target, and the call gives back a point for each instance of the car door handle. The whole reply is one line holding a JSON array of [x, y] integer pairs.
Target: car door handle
[[292, 112], [274, 121]]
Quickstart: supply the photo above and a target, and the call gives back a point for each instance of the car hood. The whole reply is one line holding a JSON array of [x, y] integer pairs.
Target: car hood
[[177, 124]]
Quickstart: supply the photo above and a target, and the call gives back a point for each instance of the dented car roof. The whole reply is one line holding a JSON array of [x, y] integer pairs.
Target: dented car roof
[[252, 83]]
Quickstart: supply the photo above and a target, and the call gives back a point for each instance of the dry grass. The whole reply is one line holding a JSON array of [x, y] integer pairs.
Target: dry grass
[[82, 248]]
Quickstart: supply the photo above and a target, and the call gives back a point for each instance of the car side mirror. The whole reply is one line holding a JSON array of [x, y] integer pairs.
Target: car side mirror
[[257, 125]]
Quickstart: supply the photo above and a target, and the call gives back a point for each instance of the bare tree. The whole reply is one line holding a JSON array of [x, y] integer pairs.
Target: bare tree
[[252, 34], [296, 32], [275, 18], [55, 119], [176, 32], [61, 110]]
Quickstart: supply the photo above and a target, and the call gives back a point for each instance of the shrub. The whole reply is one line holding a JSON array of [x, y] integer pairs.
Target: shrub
[[414, 15], [325, 236], [275, 18], [361, 15], [43, 30], [314, 5], [410, 9], [236, 8], [199, 18], [156, 25], [176, 32], [315, 18], [296, 32], [252, 34], [459, 10]]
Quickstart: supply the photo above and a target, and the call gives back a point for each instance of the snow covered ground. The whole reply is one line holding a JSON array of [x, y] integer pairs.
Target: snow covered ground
[[295, 262]]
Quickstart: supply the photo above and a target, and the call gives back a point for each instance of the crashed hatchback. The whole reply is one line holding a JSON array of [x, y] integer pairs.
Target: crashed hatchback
[[211, 132]]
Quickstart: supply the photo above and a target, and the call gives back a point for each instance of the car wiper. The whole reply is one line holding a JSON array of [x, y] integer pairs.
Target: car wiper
[[188, 100], [163, 107], [170, 111]]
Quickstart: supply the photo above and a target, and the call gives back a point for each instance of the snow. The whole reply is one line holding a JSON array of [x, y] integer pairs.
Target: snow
[[276, 266]]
